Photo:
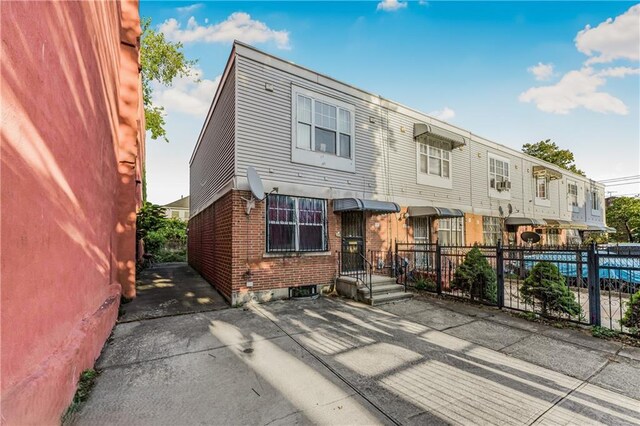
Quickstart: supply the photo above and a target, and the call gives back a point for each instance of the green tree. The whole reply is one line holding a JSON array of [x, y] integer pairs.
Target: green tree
[[476, 277], [631, 317], [161, 61], [151, 217], [624, 214], [550, 152], [548, 286], [165, 238]]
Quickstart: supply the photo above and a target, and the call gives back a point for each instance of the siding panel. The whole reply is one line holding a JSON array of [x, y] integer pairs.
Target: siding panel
[[214, 161]]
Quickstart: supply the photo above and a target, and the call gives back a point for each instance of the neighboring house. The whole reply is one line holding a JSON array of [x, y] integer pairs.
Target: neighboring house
[[178, 209], [349, 170], [72, 157]]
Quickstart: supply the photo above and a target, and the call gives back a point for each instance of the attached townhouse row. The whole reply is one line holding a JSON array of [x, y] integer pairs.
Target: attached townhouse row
[[345, 169]]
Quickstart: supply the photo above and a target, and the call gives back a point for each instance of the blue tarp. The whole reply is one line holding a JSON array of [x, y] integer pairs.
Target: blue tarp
[[611, 267]]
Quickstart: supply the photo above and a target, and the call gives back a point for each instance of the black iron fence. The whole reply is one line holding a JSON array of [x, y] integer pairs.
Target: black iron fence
[[354, 264], [591, 285]]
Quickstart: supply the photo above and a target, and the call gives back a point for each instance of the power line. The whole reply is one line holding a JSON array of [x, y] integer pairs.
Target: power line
[[622, 183], [611, 180]]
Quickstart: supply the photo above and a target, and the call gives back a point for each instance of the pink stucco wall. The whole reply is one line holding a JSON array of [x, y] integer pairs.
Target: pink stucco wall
[[72, 147]]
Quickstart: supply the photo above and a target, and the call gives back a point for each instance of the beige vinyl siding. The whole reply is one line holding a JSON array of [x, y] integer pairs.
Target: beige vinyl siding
[[385, 151], [213, 162], [385, 156]]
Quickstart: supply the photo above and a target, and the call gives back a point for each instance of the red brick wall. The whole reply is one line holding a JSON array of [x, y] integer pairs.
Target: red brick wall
[[282, 271], [228, 248], [72, 146], [210, 243]]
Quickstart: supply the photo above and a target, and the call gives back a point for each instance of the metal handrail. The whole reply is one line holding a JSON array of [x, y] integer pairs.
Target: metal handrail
[[360, 276]]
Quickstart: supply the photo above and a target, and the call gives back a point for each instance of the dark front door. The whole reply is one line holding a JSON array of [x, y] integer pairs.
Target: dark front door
[[352, 241]]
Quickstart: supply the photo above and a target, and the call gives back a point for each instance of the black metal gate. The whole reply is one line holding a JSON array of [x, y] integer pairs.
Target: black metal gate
[[353, 241]]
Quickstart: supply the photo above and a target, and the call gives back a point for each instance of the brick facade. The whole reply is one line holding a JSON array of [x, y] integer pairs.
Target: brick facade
[[210, 244], [228, 248]]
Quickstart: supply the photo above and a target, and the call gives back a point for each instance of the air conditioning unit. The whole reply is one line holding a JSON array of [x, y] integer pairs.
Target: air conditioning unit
[[504, 185]]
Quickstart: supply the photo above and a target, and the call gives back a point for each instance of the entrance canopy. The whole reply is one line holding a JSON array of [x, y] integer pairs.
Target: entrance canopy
[[543, 171], [601, 228], [566, 224], [434, 211], [421, 130], [358, 204], [524, 221]]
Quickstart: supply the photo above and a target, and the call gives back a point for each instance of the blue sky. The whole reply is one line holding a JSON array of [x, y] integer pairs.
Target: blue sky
[[513, 72]]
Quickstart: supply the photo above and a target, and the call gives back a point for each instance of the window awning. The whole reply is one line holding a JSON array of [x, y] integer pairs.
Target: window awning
[[421, 130], [358, 204], [434, 211], [601, 228], [544, 171], [524, 221], [565, 224]]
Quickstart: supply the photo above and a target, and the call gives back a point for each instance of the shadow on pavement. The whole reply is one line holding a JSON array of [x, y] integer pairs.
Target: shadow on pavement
[[168, 289]]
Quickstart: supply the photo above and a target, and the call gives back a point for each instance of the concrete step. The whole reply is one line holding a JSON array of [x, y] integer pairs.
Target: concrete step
[[376, 280], [382, 289], [380, 299]]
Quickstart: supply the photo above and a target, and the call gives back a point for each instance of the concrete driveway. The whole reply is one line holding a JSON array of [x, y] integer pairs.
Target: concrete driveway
[[168, 289], [332, 361]]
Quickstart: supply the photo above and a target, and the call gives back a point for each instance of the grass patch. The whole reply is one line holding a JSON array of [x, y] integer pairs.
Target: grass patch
[[85, 385], [604, 333], [529, 316]]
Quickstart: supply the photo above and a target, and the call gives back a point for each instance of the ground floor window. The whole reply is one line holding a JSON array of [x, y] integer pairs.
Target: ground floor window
[[491, 230], [296, 224], [451, 231], [552, 237]]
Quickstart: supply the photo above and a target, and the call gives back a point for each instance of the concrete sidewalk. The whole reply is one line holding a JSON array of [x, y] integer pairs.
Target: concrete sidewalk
[[333, 361], [168, 289]]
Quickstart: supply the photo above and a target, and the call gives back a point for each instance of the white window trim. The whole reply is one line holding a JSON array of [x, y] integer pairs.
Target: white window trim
[[571, 207], [494, 193], [431, 180], [315, 158], [543, 202]]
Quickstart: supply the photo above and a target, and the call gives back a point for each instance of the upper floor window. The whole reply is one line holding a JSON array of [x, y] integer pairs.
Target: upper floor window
[[542, 188], [434, 163], [499, 176], [296, 224], [491, 230], [572, 194], [434, 160], [595, 200], [498, 172], [323, 131]]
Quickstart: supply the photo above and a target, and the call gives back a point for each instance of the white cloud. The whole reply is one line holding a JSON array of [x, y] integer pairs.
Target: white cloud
[[186, 95], [391, 5], [613, 39], [541, 71], [189, 9], [576, 89], [618, 72], [444, 114], [238, 26]]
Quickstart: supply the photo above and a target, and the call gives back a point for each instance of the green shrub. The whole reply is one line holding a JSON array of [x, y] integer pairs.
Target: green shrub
[[475, 277], [631, 316], [548, 286], [164, 255], [603, 333], [423, 283]]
